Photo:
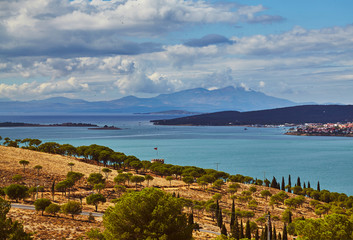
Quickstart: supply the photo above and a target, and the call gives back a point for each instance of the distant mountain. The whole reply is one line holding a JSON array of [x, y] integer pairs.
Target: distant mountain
[[294, 115], [192, 100]]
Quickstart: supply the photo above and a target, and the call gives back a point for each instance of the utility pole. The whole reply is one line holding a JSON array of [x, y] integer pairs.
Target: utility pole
[[217, 165]]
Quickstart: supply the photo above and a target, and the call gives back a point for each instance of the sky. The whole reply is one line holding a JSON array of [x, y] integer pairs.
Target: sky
[[103, 50]]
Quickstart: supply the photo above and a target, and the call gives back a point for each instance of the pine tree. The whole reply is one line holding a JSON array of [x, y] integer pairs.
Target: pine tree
[[247, 230], [283, 187], [298, 182], [309, 185], [318, 186], [224, 230], [241, 234], [285, 236], [289, 184]]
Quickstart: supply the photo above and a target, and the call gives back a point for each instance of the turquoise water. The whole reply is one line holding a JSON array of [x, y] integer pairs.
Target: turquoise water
[[255, 152]]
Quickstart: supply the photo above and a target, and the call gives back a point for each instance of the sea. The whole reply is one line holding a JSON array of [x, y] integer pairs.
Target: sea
[[256, 152]]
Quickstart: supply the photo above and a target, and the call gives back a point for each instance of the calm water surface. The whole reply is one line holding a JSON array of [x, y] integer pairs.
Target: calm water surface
[[255, 152]]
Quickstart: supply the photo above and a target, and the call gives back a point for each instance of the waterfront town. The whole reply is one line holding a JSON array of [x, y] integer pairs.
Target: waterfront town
[[327, 129]]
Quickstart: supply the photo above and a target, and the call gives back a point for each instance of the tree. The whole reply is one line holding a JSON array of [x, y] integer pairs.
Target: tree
[[169, 178], [285, 235], [265, 193], [16, 191], [147, 214], [106, 171], [72, 207], [99, 187], [247, 230], [333, 226], [188, 180], [137, 179], [95, 199], [41, 204], [24, 163], [224, 230], [38, 168], [17, 177], [10, 229], [71, 164], [74, 176], [95, 178], [52, 209]]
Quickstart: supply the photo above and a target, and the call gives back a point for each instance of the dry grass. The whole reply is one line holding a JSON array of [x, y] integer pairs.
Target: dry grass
[[55, 167]]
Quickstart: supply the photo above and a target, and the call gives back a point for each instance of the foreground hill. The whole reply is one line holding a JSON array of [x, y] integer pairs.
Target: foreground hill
[[191, 100], [292, 115], [55, 167]]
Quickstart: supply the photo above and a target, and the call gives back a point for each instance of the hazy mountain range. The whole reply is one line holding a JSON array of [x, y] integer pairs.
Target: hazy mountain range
[[192, 100]]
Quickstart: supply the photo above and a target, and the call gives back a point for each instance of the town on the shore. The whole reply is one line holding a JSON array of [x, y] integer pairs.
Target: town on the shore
[[327, 129]]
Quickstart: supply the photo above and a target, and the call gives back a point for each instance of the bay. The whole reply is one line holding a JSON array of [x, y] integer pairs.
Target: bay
[[256, 152]]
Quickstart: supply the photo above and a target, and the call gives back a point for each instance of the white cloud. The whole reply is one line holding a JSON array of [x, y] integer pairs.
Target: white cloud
[[46, 89]]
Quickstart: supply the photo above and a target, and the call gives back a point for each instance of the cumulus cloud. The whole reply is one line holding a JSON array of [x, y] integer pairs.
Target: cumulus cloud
[[92, 28], [47, 89]]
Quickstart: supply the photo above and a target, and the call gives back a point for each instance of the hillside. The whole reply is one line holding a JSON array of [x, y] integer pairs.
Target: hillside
[[191, 100], [55, 167], [292, 115]]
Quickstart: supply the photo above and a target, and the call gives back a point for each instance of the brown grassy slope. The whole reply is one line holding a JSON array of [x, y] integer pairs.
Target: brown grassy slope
[[55, 167]]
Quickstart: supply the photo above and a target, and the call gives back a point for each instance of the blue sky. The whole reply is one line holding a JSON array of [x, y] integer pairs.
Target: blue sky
[[103, 50]]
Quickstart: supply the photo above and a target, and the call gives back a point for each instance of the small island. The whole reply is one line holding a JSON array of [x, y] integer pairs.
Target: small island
[[105, 127]]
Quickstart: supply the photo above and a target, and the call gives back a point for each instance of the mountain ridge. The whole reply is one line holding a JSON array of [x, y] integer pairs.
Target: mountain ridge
[[291, 115], [190, 100]]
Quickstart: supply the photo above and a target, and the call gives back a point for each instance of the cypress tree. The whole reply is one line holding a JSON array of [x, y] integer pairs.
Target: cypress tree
[[217, 211], [274, 235], [224, 230], [178, 196], [283, 187], [257, 237], [318, 186], [241, 234], [220, 218], [270, 226], [304, 186], [285, 236], [289, 184], [173, 194], [191, 219], [274, 183], [263, 234], [279, 236], [298, 182], [235, 229], [247, 230], [309, 185], [232, 217]]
